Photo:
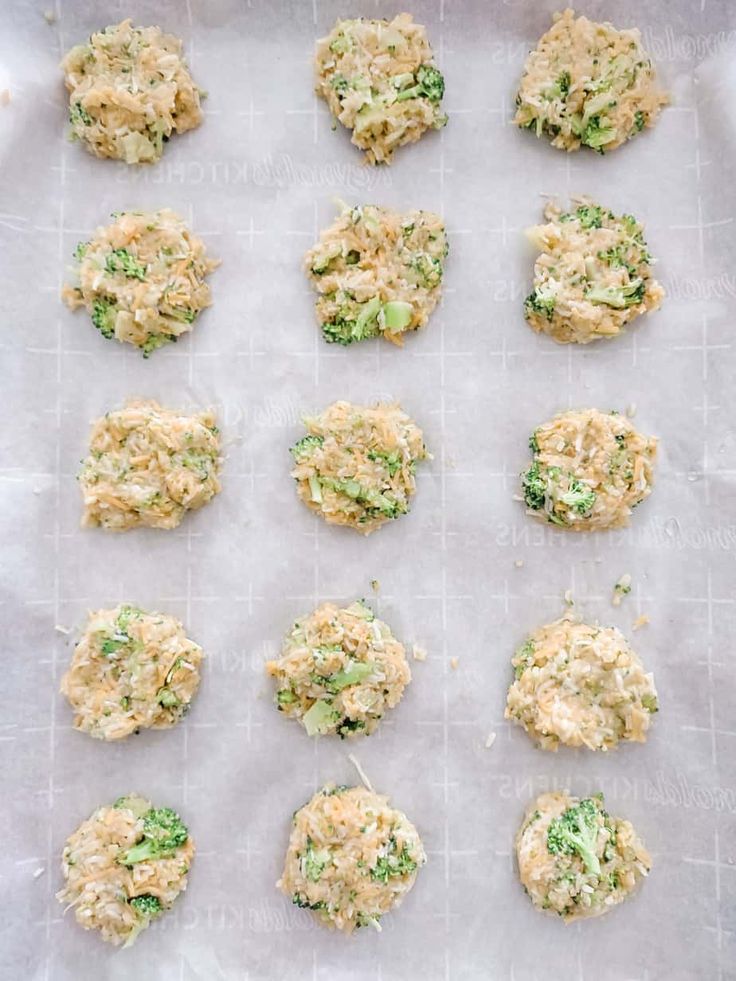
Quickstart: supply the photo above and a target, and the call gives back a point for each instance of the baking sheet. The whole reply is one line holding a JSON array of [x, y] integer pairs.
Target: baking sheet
[[257, 181]]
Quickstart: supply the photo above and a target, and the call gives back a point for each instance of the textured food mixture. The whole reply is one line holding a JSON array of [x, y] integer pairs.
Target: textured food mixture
[[339, 671], [129, 90], [580, 685], [142, 279], [576, 860], [377, 273], [589, 470], [148, 466], [131, 670], [379, 79], [351, 857], [124, 867], [356, 464], [593, 275], [588, 84]]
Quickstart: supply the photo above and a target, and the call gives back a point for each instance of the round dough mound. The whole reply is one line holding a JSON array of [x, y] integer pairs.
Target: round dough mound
[[356, 465], [593, 275], [587, 84], [129, 90], [142, 279], [379, 80], [149, 466], [120, 900], [554, 873], [351, 857], [377, 272], [131, 670], [579, 685], [589, 469], [339, 670]]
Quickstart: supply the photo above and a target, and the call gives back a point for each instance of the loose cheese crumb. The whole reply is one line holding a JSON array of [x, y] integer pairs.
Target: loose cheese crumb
[[490, 740], [454, 663], [641, 621], [418, 653]]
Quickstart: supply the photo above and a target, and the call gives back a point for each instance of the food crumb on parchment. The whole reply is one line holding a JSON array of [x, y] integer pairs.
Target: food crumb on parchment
[[641, 621], [490, 739], [621, 588], [418, 653], [454, 662]]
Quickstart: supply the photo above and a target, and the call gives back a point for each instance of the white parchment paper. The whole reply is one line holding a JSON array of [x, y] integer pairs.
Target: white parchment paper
[[257, 181]]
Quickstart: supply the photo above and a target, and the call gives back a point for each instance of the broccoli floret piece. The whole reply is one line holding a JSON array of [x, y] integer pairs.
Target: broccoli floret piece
[[314, 861], [81, 250], [590, 215], [167, 698], [396, 316], [639, 121], [137, 805], [597, 134], [579, 497], [534, 486], [650, 703], [429, 84], [618, 296], [154, 341], [320, 717], [392, 865], [285, 697], [575, 832], [392, 461], [78, 114], [540, 304], [525, 654], [349, 725], [348, 330], [103, 316], [534, 443], [428, 269], [163, 833], [120, 260], [351, 676], [302, 450], [146, 906]]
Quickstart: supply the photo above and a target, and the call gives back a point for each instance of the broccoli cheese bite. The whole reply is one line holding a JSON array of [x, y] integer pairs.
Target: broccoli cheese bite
[[589, 470], [351, 858], [129, 91], [356, 464], [124, 867], [576, 860], [131, 670], [339, 670], [377, 272], [148, 466], [142, 279], [593, 275], [588, 84], [580, 685], [379, 80]]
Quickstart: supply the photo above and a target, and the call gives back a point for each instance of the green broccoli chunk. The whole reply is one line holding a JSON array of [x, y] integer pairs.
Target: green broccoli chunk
[[619, 297], [146, 906], [534, 485], [103, 316], [163, 833], [525, 656], [428, 269], [120, 260], [302, 450], [392, 865], [650, 703], [346, 330], [538, 303], [79, 115], [575, 832], [314, 861], [597, 134], [429, 84], [590, 215], [579, 497]]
